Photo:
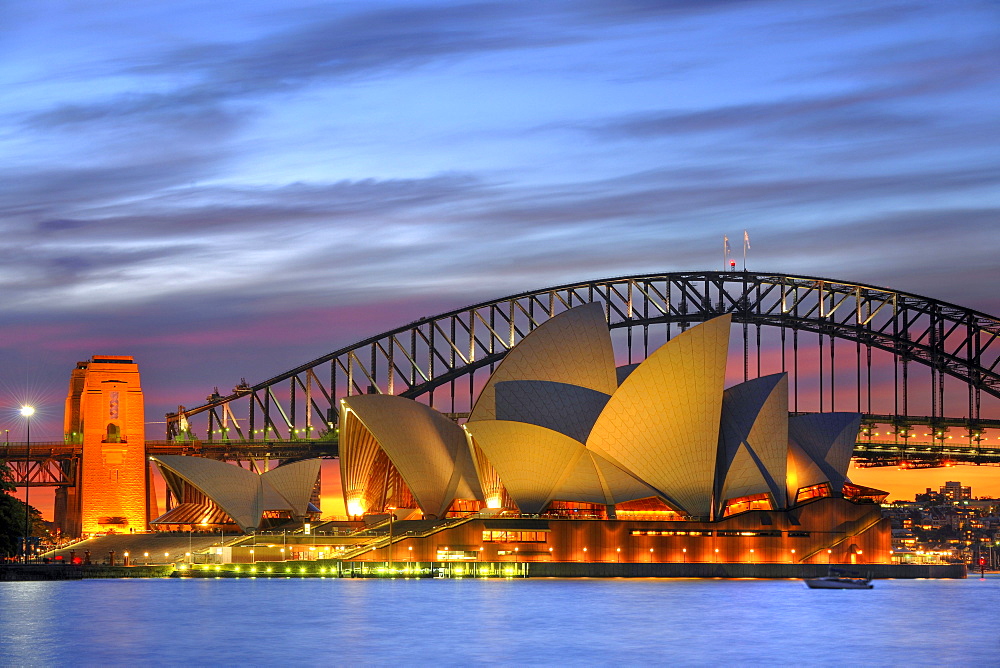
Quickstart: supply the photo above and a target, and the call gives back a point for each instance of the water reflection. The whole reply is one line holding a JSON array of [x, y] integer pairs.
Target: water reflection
[[458, 622]]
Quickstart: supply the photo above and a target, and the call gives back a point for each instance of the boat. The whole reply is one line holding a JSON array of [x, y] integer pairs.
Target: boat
[[840, 579]]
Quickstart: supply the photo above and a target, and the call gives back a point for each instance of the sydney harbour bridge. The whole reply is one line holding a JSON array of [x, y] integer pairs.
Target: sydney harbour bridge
[[924, 373]]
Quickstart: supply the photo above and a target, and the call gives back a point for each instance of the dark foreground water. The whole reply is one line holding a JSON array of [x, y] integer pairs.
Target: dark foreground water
[[509, 622]]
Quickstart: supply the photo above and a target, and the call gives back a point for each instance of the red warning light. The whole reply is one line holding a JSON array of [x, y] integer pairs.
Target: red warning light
[[732, 263]]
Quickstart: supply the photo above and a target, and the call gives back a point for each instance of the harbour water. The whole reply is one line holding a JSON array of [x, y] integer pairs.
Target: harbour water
[[509, 622]]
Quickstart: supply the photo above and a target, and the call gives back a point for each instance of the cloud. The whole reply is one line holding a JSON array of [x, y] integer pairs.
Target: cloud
[[208, 211], [873, 111], [877, 93], [55, 191], [325, 44], [642, 11], [346, 239], [833, 115], [195, 111]]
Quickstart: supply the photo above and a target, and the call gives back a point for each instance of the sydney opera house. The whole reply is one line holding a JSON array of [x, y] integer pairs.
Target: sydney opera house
[[566, 457]]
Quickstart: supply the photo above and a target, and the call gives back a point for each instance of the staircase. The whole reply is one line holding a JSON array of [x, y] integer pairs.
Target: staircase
[[382, 541], [858, 529]]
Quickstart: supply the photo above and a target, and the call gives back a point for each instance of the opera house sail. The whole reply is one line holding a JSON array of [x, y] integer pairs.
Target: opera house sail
[[210, 493]]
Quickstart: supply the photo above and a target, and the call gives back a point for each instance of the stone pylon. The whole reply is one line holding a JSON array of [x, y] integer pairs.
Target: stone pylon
[[104, 414]]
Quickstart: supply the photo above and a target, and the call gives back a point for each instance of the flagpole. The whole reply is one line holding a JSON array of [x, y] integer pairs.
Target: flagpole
[[746, 245]]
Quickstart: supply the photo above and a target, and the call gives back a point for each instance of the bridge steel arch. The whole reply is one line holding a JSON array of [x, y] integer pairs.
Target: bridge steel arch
[[436, 358]]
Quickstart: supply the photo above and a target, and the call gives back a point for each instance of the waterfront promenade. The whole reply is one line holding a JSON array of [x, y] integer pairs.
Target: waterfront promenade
[[338, 569]]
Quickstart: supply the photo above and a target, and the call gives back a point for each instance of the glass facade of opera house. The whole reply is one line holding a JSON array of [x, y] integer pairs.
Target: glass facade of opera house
[[566, 457]]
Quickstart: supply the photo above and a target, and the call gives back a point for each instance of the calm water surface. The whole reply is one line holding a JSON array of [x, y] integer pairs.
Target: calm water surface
[[522, 622]]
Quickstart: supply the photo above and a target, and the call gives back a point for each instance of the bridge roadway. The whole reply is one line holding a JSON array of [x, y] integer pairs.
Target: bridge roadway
[[224, 450], [53, 463]]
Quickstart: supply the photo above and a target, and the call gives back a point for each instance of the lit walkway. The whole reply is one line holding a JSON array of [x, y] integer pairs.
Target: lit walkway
[[162, 548]]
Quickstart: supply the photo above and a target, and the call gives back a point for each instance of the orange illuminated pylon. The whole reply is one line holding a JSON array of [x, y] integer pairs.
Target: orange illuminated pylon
[[104, 414]]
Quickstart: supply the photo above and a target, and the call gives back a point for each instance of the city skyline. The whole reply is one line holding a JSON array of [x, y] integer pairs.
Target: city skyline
[[225, 193]]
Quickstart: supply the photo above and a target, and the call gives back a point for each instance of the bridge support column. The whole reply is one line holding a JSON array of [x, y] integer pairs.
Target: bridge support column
[[104, 411], [67, 510]]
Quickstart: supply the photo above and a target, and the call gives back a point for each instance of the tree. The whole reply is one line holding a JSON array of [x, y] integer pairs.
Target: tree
[[12, 516]]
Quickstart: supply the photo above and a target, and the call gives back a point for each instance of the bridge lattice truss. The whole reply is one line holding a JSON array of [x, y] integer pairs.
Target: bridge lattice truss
[[916, 341]]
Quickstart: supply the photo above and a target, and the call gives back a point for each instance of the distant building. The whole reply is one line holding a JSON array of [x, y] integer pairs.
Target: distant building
[[953, 491], [930, 498]]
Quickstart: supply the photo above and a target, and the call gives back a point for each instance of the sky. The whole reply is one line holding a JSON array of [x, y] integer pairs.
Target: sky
[[226, 190]]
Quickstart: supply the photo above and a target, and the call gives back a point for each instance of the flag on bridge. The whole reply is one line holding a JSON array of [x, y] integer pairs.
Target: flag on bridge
[[746, 247]]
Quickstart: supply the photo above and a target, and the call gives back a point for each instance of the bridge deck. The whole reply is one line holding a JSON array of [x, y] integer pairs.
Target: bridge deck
[[890, 450]]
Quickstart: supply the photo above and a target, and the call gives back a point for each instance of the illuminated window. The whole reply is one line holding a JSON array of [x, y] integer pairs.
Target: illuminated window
[[514, 536], [641, 532], [744, 503], [457, 555], [813, 492], [649, 508], [576, 510], [460, 507], [859, 494]]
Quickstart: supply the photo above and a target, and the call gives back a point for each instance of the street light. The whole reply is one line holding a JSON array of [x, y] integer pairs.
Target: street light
[[388, 556], [26, 413]]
